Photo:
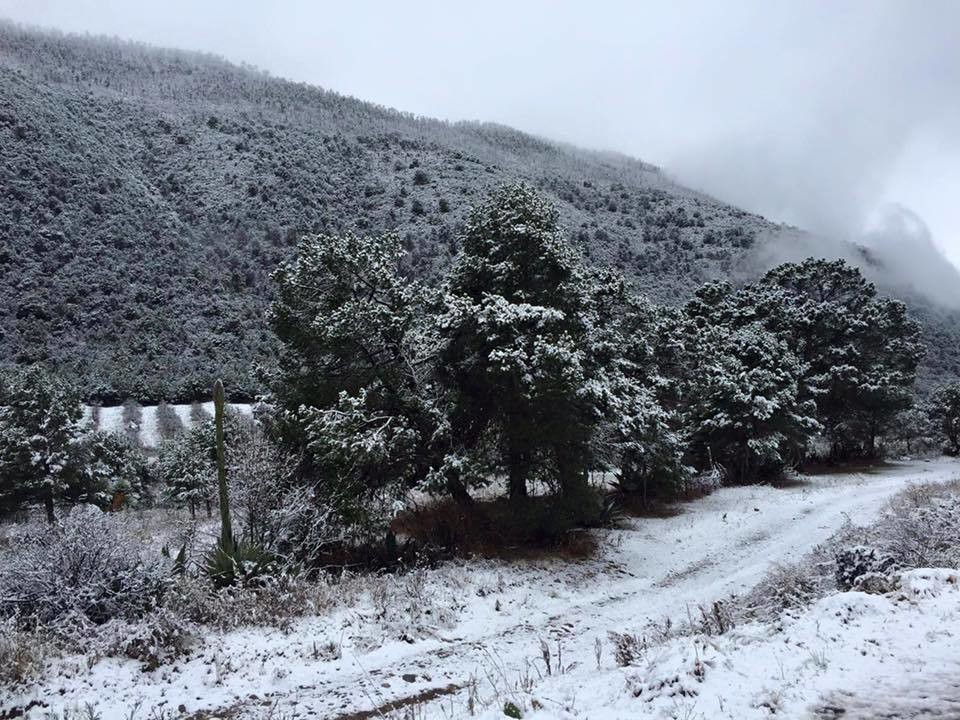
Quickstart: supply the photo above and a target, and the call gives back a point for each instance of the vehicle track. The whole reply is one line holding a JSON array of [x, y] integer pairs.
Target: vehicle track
[[786, 525]]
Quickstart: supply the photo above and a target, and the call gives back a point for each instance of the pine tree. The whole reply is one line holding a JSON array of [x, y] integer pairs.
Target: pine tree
[[111, 464], [514, 352], [41, 430], [649, 438], [353, 386], [861, 352], [185, 466], [744, 410], [945, 414]]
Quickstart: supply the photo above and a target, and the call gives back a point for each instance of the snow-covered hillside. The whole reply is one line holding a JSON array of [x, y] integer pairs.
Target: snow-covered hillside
[[468, 637]]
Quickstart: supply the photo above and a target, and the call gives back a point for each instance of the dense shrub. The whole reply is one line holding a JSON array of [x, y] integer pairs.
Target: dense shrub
[[922, 528], [91, 568], [277, 600], [859, 563], [159, 637]]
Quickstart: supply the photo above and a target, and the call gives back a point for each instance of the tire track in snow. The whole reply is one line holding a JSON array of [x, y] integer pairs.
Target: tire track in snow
[[761, 526]]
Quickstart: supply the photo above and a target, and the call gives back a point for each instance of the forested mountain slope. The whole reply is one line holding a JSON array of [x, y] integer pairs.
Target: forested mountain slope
[[146, 195]]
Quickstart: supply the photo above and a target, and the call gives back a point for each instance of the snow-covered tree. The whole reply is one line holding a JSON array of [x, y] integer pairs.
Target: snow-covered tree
[[650, 445], [344, 315], [185, 466], [353, 388], [515, 344], [111, 464], [41, 432], [642, 373], [743, 406], [890, 348], [945, 414], [913, 430], [861, 351], [262, 478]]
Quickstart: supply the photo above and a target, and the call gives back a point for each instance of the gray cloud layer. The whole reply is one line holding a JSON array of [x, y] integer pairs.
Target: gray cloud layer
[[815, 113]]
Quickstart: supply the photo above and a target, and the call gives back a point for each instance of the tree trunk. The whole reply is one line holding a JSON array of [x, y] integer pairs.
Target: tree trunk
[[48, 506], [517, 466], [517, 474], [573, 475], [459, 492], [518, 483]]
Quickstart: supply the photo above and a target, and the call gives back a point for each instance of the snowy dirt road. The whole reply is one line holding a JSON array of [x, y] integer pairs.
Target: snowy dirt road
[[474, 632]]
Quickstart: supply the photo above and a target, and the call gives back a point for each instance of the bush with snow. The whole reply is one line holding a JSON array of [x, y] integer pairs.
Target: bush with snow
[[409, 607], [276, 601], [784, 588], [160, 637], [89, 569], [924, 532], [858, 564], [628, 649]]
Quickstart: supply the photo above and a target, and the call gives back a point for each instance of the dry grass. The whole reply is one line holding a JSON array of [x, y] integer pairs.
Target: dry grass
[[860, 467], [533, 528], [21, 653], [278, 602]]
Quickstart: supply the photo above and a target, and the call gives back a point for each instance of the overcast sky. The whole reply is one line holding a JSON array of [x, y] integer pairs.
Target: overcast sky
[[815, 113]]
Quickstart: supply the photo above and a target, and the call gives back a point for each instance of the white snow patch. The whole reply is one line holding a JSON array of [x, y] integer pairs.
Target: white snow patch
[[183, 412], [149, 437], [111, 419]]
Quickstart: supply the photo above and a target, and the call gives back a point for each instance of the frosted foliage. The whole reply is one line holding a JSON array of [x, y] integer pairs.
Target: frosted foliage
[[91, 568], [271, 509], [745, 411]]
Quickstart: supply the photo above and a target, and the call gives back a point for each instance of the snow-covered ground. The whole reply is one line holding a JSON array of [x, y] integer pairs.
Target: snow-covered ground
[[473, 635], [849, 655], [110, 419]]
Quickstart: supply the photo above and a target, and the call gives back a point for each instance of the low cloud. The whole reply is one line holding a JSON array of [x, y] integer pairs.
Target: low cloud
[[897, 253], [813, 113]]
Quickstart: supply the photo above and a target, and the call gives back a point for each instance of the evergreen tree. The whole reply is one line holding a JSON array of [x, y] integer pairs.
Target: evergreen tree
[[344, 316], [914, 429], [515, 352], [353, 386], [648, 435], [945, 414], [744, 410], [41, 430], [861, 352], [186, 469], [111, 464]]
